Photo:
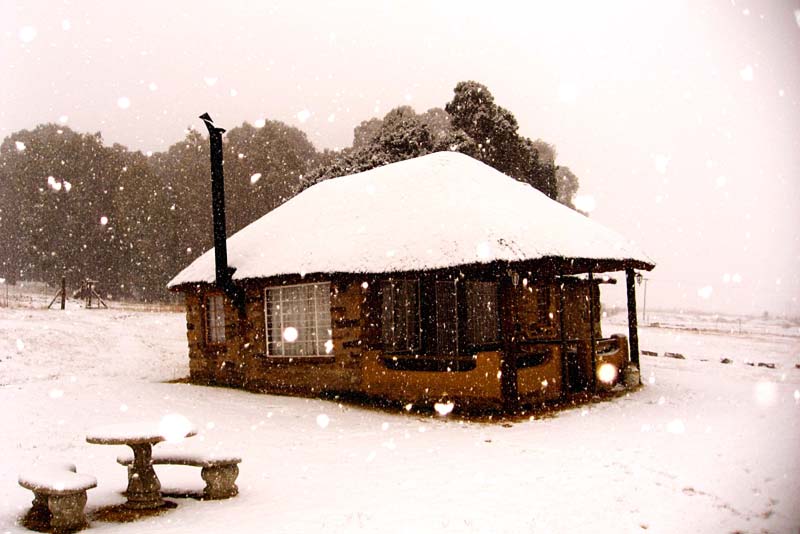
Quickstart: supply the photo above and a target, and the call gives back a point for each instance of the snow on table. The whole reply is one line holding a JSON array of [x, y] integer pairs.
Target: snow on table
[[141, 432]]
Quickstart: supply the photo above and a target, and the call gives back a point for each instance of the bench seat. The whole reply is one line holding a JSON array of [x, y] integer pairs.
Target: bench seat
[[219, 471], [59, 494]]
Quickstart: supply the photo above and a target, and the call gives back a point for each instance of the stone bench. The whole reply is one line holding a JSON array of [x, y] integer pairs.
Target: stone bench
[[59, 494], [219, 472]]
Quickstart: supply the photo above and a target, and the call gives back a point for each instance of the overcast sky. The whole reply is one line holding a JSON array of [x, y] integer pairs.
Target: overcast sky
[[681, 119]]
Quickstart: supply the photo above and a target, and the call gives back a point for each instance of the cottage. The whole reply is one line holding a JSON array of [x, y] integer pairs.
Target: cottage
[[437, 277]]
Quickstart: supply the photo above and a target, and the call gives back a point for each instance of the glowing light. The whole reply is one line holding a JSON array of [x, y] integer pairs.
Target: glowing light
[[124, 102], [323, 420], [765, 393], [607, 373], [256, 177], [303, 115], [20, 145], [174, 427], [290, 334], [444, 408], [27, 34], [104, 220]]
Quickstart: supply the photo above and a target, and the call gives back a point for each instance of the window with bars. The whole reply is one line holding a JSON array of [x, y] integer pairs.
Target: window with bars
[[482, 318], [299, 320], [400, 327], [215, 319]]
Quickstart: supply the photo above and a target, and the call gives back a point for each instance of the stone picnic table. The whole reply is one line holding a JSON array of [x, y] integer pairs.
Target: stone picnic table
[[144, 488]]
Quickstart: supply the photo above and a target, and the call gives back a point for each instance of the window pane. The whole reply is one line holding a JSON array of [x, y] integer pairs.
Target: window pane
[[446, 319], [299, 320], [215, 319], [400, 315], [482, 315]]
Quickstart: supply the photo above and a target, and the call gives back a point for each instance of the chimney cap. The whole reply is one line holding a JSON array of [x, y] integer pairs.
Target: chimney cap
[[210, 123]]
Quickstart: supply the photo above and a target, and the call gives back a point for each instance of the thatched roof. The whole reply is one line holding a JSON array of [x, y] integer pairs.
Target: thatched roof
[[436, 211]]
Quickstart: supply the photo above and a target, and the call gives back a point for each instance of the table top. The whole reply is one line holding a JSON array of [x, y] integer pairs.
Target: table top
[[141, 432]]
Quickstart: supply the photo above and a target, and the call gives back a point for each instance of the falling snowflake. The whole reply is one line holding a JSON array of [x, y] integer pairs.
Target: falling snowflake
[[747, 73], [290, 334], [20, 145], [332, 117], [152, 86], [104, 220], [443, 408], [765, 393], [260, 123], [661, 161], [56, 393], [66, 25], [676, 426], [567, 93], [20, 345], [329, 346], [174, 427], [483, 250], [705, 292], [124, 102], [63, 119], [234, 92], [303, 115], [27, 34], [585, 203], [256, 177], [323, 420], [210, 80]]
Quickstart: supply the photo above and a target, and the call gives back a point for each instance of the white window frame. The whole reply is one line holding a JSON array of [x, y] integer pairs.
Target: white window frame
[[317, 319], [215, 319]]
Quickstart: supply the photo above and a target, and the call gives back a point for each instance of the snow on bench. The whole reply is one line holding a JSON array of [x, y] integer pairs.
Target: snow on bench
[[219, 471], [58, 492]]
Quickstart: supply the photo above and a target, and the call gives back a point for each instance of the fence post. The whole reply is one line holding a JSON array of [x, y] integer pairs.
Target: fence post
[[63, 292]]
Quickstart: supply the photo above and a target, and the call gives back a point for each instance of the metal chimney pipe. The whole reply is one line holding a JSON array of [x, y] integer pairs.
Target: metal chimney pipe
[[223, 273]]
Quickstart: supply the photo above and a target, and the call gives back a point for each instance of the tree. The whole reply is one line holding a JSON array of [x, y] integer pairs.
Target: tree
[[494, 130]]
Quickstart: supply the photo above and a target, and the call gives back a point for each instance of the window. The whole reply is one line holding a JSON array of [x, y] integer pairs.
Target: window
[[482, 317], [400, 315], [215, 319], [438, 317], [446, 318], [299, 320]]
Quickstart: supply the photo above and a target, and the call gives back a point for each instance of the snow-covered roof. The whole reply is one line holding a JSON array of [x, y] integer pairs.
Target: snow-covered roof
[[436, 211]]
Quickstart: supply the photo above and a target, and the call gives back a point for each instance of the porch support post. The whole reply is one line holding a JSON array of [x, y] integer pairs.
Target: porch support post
[[633, 332], [593, 347]]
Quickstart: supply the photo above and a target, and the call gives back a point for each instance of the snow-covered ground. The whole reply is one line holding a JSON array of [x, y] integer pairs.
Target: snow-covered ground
[[702, 447]]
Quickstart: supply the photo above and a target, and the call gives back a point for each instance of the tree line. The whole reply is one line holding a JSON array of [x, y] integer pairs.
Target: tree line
[[70, 205]]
